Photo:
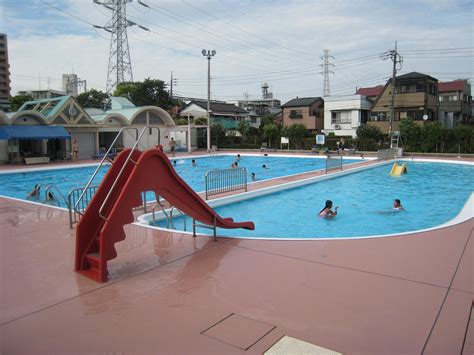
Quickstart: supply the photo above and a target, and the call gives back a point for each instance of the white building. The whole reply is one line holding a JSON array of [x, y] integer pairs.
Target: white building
[[344, 114], [71, 84]]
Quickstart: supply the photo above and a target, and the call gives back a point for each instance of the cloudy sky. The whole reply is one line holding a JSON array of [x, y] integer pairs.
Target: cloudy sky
[[274, 41]]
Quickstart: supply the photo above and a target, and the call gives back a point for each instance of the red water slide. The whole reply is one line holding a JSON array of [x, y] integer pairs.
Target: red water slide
[[148, 171]]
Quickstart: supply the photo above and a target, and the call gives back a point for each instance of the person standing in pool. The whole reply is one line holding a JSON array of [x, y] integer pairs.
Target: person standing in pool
[[35, 193], [254, 177], [237, 159], [327, 211], [264, 166], [193, 162], [174, 162], [397, 205]]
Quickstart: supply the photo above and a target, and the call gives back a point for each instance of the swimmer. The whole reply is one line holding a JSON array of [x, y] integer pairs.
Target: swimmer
[[234, 165], [254, 177], [174, 162], [397, 205], [193, 162], [50, 196], [237, 159], [264, 166], [327, 212], [36, 191]]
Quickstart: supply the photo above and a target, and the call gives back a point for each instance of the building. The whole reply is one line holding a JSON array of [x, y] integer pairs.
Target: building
[[33, 129], [71, 84], [371, 93], [416, 97], [308, 111], [226, 114], [455, 102], [344, 114], [42, 94], [267, 105], [4, 74]]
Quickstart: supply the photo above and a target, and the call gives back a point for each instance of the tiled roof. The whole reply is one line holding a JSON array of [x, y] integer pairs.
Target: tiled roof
[[217, 107], [303, 101], [415, 75], [456, 85], [372, 91]]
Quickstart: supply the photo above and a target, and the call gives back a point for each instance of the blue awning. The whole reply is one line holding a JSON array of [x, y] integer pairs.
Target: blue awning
[[33, 132]]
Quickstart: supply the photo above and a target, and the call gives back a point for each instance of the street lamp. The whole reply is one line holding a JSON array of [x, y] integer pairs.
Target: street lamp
[[209, 54]]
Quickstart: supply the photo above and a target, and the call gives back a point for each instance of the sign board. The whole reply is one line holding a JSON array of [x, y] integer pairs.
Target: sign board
[[320, 139], [285, 140]]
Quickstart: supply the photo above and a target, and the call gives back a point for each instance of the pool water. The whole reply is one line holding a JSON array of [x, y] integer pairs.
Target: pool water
[[432, 194], [19, 184]]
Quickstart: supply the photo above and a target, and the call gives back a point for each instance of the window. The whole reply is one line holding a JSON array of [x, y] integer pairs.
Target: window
[[415, 115], [432, 89], [420, 87], [378, 116], [338, 117], [295, 114], [448, 98]]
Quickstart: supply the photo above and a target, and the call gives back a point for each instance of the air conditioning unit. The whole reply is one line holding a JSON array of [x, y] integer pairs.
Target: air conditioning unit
[[337, 126]]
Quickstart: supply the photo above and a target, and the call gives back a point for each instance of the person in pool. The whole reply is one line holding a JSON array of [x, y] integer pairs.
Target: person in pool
[[174, 162], [193, 162], [237, 159], [254, 177], [397, 205], [264, 166], [327, 211], [35, 192]]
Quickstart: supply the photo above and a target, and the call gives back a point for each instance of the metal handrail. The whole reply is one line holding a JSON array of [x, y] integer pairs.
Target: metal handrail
[[56, 189], [225, 180], [123, 169], [338, 164], [171, 217], [104, 158], [83, 204], [158, 203]]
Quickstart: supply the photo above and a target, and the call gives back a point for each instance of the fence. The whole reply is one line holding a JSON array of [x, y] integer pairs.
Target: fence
[[220, 181], [333, 163], [385, 154], [73, 197]]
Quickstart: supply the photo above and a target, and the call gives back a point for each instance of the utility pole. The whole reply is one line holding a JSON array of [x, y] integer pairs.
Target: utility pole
[[208, 54], [326, 65], [396, 59], [172, 82]]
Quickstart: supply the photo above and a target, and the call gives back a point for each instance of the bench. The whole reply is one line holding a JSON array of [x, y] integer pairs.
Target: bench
[[37, 160]]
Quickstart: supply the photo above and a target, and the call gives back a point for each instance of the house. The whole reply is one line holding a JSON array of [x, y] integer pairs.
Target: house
[[416, 97], [344, 114], [308, 111], [43, 94], [46, 128], [371, 93], [228, 115], [455, 103]]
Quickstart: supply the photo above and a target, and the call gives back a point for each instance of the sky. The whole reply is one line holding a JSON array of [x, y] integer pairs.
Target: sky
[[275, 41]]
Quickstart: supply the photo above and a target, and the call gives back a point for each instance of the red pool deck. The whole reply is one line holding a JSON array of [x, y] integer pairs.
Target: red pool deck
[[170, 293]]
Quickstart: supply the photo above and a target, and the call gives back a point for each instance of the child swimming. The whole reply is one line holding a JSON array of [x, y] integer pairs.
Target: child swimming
[[327, 211]]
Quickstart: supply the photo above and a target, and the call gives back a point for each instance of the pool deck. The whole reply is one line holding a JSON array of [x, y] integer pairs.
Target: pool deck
[[170, 293]]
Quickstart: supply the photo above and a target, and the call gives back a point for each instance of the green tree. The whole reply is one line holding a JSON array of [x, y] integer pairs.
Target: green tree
[[180, 121], [18, 100], [267, 119], [243, 128], [93, 98], [270, 132], [411, 134], [218, 133], [151, 92], [296, 134], [431, 134], [367, 131], [200, 121]]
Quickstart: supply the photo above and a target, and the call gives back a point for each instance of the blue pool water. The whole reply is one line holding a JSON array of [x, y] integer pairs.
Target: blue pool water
[[19, 184], [432, 194]]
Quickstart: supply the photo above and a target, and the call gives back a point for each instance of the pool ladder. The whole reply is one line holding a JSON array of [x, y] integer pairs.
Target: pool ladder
[[169, 216], [50, 188]]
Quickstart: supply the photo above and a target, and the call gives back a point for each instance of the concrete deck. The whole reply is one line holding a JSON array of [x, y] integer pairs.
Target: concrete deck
[[170, 293]]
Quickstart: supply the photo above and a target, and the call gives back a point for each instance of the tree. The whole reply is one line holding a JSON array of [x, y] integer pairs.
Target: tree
[[19, 100], [218, 133], [296, 134], [411, 134], [243, 128], [93, 98], [267, 119], [366, 131], [200, 121], [180, 121], [270, 131], [151, 92]]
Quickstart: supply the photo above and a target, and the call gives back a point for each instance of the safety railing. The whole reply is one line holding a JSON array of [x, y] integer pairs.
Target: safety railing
[[73, 197], [386, 154], [180, 213], [53, 194], [333, 163], [226, 180]]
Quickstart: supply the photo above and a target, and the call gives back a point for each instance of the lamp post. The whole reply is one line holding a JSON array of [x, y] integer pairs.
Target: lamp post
[[209, 54], [189, 134]]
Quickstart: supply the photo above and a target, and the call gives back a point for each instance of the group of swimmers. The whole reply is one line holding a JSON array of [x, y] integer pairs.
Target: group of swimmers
[[327, 211], [35, 194]]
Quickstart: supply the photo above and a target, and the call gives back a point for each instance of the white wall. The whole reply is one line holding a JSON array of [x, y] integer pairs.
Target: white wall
[[352, 104]]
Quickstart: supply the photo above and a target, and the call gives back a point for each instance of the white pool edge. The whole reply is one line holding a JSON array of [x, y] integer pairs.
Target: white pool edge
[[466, 212]]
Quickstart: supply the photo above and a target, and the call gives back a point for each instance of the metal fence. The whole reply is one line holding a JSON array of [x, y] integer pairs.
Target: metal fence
[[386, 154], [220, 181], [73, 197], [333, 163]]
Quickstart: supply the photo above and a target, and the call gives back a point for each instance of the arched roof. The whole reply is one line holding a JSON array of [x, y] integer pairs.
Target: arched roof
[[132, 113], [38, 116], [4, 118], [104, 118]]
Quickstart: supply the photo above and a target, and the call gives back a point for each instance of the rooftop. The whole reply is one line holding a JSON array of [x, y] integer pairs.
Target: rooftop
[[301, 102], [370, 91], [415, 76], [220, 107], [456, 85]]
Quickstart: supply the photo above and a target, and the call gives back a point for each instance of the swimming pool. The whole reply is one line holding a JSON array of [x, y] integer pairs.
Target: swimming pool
[[19, 184], [432, 194]]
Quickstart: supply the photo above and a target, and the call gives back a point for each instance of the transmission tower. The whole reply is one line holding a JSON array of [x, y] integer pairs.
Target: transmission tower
[[326, 65], [120, 64]]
